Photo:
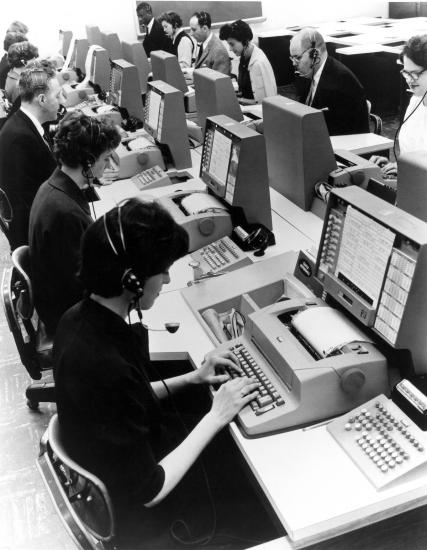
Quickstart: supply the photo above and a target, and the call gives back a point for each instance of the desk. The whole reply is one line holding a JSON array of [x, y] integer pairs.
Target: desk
[[362, 144], [316, 495]]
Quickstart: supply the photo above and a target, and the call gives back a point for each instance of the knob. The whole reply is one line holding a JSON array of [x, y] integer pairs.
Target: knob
[[82, 94], [206, 226], [352, 380], [142, 159]]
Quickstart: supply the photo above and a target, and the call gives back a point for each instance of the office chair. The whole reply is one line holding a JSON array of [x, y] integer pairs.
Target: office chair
[[80, 498], [374, 120], [34, 347], [6, 215]]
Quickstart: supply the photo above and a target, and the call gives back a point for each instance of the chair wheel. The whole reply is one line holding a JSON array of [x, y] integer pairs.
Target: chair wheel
[[33, 405]]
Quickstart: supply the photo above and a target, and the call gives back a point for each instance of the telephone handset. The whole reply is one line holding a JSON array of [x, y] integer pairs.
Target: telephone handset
[[258, 238]]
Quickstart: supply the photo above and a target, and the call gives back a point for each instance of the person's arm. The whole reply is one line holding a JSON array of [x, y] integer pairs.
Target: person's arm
[[212, 371], [228, 400]]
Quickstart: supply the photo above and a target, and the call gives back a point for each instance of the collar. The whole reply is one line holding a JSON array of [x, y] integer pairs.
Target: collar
[[177, 33], [64, 183], [34, 120], [150, 25], [206, 42]]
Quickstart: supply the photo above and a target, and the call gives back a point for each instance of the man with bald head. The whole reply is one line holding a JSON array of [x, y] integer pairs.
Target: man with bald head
[[325, 83]]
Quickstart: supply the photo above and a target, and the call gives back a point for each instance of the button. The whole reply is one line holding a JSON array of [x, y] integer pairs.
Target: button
[[259, 412]]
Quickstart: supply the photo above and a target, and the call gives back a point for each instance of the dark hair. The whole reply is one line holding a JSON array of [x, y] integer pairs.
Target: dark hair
[[18, 26], [81, 139], [144, 6], [171, 17], [416, 50], [11, 38], [239, 30], [35, 78], [203, 18], [20, 53], [153, 241]]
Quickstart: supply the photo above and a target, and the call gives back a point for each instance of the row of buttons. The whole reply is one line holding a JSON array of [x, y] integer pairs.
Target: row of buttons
[[413, 395], [216, 254]]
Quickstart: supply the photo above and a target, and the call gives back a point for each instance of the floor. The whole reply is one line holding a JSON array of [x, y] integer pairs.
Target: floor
[[28, 520]]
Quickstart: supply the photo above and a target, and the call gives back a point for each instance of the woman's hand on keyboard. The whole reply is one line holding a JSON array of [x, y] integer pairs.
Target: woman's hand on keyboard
[[232, 397], [214, 367]]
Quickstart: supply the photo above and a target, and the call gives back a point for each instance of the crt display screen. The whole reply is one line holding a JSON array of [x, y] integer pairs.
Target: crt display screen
[[152, 112]]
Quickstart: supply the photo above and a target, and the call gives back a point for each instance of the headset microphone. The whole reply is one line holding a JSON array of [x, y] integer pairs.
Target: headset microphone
[[169, 327]]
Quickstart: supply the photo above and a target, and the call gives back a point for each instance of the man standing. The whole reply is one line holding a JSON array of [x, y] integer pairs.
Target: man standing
[[327, 84], [212, 52], [155, 37], [26, 160]]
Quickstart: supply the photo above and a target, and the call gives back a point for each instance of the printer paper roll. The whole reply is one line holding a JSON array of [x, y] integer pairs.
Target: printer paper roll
[[326, 329], [201, 202], [88, 64]]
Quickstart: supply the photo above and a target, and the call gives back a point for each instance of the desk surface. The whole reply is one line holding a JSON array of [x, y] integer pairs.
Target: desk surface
[[361, 144]]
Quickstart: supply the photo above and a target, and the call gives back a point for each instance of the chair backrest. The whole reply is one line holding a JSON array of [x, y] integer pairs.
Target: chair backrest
[[21, 262], [375, 120], [6, 214], [22, 331], [81, 499]]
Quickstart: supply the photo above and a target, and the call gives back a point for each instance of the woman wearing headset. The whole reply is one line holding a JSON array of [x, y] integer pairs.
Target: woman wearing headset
[[412, 134], [60, 212], [112, 417], [256, 78]]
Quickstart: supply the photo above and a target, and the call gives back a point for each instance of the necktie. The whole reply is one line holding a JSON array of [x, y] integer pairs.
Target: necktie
[[199, 55], [47, 140], [309, 99]]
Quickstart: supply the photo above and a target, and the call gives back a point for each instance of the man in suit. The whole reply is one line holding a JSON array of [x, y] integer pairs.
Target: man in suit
[[155, 37], [325, 83], [26, 160], [212, 52]]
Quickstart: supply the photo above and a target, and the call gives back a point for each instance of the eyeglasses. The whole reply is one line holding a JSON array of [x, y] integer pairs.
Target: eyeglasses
[[297, 58], [413, 75]]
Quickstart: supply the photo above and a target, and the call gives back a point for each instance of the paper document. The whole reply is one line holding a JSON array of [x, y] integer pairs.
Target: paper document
[[364, 252], [201, 202], [326, 329], [139, 142]]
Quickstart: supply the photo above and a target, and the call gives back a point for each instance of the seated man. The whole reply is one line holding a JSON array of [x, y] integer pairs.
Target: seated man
[[327, 84], [114, 421], [155, 37], [212, 52], [60, 213], [26, 160]]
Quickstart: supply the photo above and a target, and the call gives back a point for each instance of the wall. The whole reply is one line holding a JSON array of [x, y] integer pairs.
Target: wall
[[45, 18]]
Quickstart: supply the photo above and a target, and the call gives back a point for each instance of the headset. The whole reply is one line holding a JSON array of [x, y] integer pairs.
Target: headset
[[129, 281], [313, 53]]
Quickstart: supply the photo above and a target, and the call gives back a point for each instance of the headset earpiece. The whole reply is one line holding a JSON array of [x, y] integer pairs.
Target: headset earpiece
[[313, 53], [132, 283]]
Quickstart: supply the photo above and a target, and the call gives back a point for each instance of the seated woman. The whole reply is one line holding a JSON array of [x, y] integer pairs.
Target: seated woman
[[60, 213], [412, 133], [183, 45], [113, 419], [18, 56], [256, 78]]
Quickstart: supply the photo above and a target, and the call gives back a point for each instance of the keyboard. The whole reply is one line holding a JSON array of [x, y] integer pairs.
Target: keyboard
[[264, 414], [381, 440], [221, 255]]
